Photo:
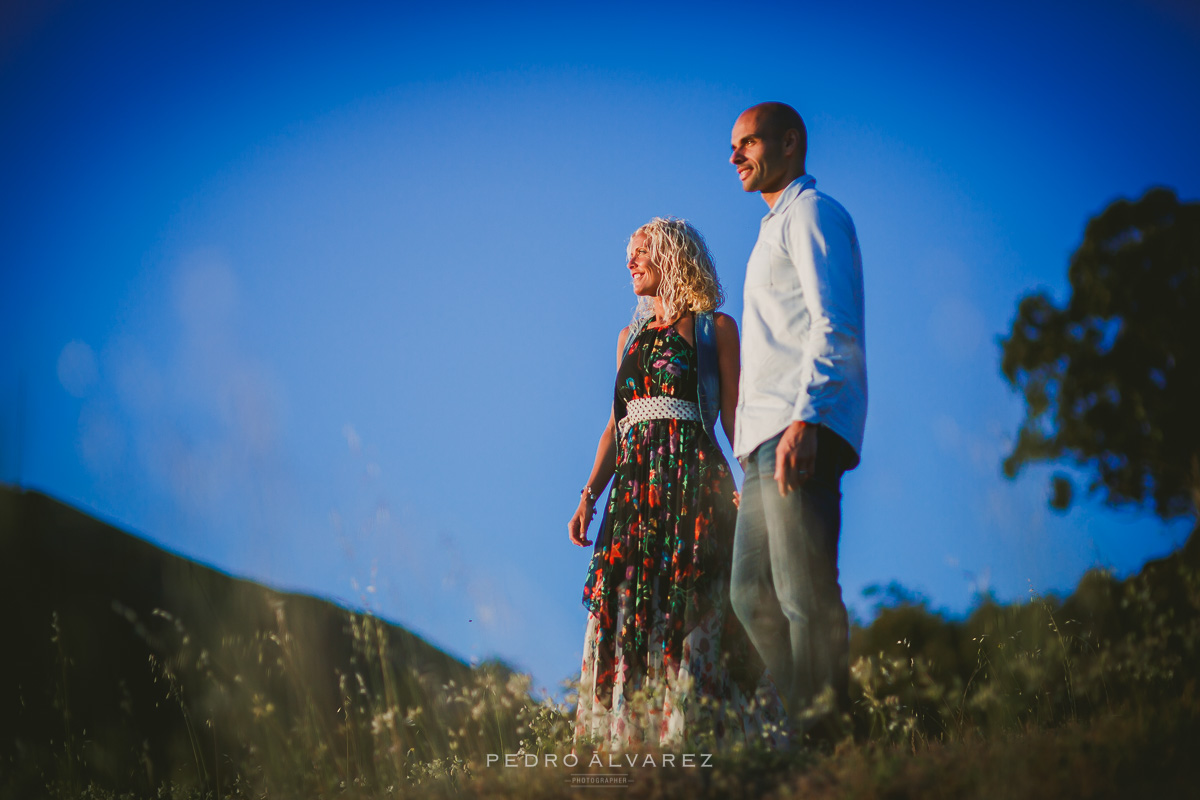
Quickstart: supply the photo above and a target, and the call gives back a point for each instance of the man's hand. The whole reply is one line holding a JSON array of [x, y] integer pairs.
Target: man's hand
[[795, 456]]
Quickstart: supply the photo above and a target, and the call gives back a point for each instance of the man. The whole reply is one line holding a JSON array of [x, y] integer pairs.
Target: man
[[800, 415]]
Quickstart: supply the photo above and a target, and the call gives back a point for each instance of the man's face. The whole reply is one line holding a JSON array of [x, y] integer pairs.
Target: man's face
[[758, 154]]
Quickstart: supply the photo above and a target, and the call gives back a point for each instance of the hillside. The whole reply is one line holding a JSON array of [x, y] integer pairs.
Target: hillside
[[129, 666], [131, 672]]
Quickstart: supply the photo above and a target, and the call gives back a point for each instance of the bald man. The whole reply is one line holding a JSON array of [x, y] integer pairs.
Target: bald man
[[801, 411]]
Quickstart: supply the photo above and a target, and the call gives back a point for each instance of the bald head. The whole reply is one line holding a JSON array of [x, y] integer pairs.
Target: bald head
[[776, 119]]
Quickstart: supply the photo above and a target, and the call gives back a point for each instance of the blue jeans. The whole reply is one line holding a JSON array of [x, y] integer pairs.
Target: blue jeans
[[784, 585]]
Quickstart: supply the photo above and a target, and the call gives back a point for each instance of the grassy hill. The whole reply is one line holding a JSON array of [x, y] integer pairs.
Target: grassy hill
[[129, 666], [131, 672]]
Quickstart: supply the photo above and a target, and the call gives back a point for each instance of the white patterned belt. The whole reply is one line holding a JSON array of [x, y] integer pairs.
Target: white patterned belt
[[646, 408]]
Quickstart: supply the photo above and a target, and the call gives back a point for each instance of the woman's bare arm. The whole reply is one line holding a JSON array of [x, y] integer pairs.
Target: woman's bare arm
[[602, 469], [729, 369]]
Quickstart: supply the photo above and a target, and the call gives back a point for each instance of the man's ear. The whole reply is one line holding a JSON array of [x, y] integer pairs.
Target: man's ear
[[791, 140]]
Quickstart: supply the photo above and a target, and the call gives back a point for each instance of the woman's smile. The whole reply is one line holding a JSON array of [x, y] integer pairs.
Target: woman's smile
[[645, 277]]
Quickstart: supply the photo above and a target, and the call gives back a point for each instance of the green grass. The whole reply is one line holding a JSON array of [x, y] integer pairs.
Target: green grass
[[1094, 695]]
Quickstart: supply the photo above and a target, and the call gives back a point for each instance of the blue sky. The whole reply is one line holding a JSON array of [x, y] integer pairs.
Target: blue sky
[[328, 297]]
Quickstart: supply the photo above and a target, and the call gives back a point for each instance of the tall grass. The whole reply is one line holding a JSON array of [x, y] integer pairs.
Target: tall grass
[[939, 706]]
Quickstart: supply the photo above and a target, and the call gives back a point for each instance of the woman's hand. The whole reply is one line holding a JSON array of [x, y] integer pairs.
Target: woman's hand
[[577, 527]]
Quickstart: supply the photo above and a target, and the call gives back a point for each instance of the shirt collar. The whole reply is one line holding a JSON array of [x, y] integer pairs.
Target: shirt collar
[[793, 190]]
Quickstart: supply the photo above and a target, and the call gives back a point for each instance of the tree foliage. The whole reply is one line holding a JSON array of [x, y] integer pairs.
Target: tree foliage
[[1111, 379]]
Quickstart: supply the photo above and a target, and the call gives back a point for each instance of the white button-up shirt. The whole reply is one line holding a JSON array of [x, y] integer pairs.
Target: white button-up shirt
[[803, 345]]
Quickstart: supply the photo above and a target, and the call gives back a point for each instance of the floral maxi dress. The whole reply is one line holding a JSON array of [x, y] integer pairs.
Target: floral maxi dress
[[665, 661]]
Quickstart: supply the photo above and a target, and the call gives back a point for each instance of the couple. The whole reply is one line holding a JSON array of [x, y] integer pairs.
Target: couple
[[689, 594]]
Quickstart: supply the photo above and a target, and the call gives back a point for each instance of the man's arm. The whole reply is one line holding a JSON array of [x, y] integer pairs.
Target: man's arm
[[822, 246], [821, 243]]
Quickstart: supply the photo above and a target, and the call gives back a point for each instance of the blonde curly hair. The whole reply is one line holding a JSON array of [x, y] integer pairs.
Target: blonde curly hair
[[688, 279]]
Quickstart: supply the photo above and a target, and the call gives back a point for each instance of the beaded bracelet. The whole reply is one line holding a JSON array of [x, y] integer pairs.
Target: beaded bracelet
[[590, 494]]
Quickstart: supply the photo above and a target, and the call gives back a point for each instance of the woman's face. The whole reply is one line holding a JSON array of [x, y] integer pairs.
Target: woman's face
[[645, 276]]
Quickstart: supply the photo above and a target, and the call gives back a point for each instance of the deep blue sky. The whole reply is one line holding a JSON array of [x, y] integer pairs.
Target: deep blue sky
[[328, 297]]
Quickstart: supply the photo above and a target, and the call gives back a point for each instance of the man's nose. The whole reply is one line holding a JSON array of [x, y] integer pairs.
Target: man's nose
[[735, 157]]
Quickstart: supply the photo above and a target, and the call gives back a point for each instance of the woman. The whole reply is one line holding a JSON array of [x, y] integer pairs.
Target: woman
[[657, 669]]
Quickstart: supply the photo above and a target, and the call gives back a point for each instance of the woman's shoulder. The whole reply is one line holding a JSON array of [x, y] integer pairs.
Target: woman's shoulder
[[727, 332], [636, 326], [724, 322], [622, 338]]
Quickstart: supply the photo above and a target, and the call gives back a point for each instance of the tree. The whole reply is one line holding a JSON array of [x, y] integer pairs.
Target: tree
[[1111, 379]]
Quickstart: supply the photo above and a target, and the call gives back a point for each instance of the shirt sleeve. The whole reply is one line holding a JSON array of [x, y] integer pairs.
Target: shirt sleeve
[[822, 245]]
